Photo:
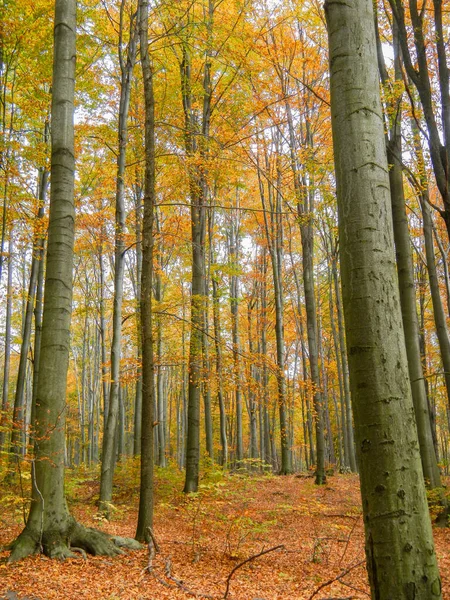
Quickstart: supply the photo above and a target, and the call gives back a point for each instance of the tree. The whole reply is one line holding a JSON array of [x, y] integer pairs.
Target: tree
[[399, 544], [112, 409], [436, 113], [50, 527], [406, 273], [145, 517]]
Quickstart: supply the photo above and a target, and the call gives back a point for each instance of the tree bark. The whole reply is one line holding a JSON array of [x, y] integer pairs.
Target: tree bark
[[145, 516], [109, 437], [49, 527], [399, 545]]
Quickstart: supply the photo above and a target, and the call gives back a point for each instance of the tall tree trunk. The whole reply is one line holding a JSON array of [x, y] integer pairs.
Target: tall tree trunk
[[219, 375], [233, 252], [273, 225], [18, 426], [109, 444], [405, 272], [305, 207], [438, 308], [145, 516], [137, 430], [196, 144], [49, 526], [399, 544], [349, 434], [160, 392]]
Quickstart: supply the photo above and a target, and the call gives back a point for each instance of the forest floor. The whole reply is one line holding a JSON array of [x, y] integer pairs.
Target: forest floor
[[207, 535]]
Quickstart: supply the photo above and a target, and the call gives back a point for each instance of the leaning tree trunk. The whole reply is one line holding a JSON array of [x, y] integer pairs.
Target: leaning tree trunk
[[49, 526], [399, 544]]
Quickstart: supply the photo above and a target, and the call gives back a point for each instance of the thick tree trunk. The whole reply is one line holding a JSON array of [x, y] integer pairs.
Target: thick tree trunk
[[49, 526], [399, 545]]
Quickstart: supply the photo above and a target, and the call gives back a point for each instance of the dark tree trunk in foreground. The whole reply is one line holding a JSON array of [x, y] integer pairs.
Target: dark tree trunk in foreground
[[399, 544], [145, 517], [50, 528]]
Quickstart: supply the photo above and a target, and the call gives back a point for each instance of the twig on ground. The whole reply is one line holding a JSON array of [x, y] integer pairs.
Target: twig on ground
[[153, 550], [241, 564], [337, 578], [181, 585], [348, 539]]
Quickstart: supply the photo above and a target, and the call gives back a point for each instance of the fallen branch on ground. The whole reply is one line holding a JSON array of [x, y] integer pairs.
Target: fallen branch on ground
[[337, 578], [241, 564], [153, 550]]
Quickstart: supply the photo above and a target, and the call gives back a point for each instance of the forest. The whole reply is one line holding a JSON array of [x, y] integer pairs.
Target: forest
[[225, 299]]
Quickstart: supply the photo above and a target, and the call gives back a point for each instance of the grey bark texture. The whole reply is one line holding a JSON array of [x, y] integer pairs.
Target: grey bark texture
[[50, 527], [399, 545]]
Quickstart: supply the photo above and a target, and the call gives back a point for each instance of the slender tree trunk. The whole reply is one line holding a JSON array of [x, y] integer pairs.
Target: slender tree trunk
[[233, 251], [438, 308], [305, 208], [18, 420], [274, 234], [30, 305], [422, 286], [219, 375], [145, 516], [109, 439], [342, 434], [349, 434], [206, 358], [138, 391], [405, 272], [160, 392]]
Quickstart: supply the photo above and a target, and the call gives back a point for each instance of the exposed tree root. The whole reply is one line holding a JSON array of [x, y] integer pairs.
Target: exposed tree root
[[64, 544]]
